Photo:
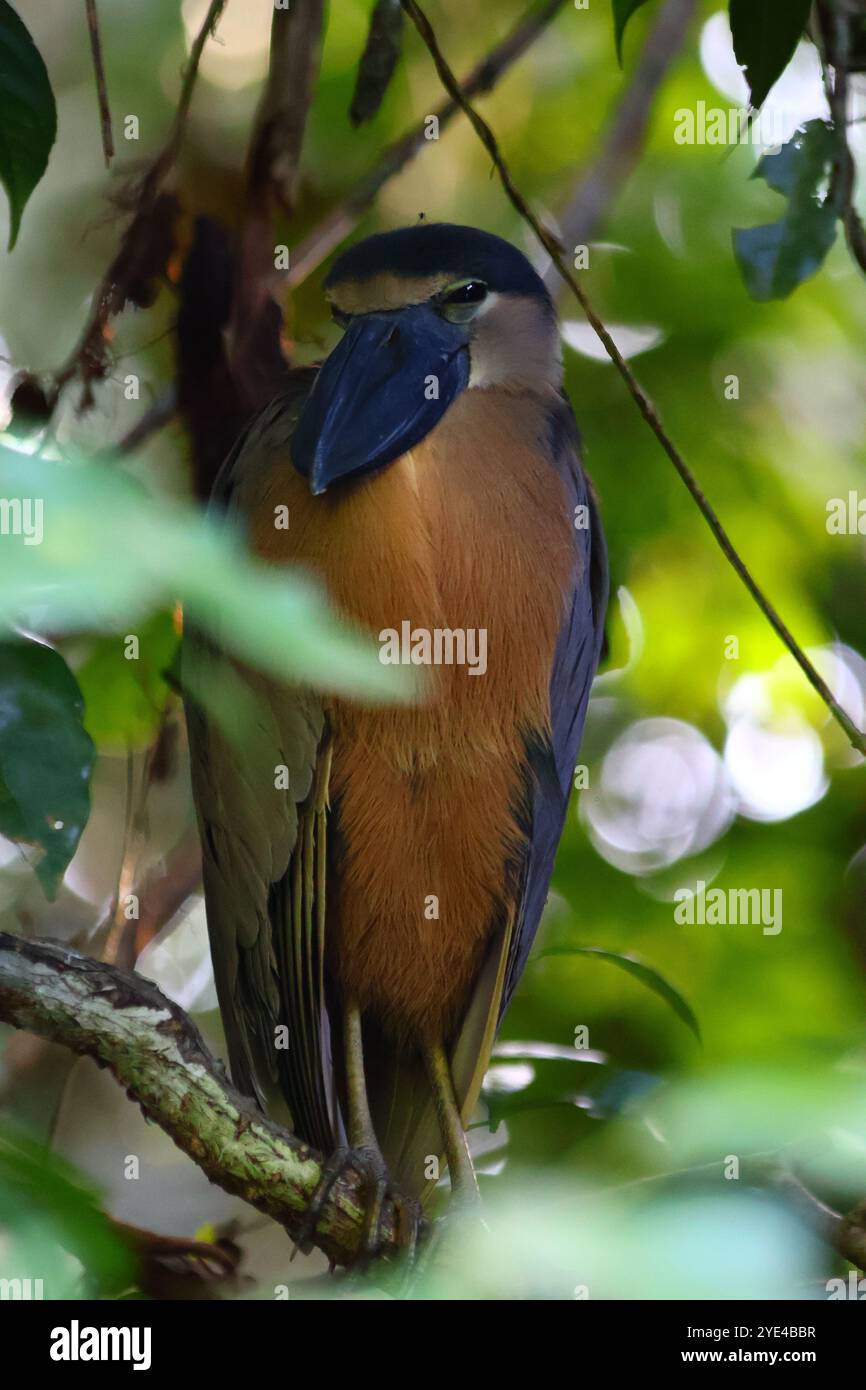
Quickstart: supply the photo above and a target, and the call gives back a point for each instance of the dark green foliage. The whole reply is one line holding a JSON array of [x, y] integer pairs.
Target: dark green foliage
[[28, 118], [774, 259], [46, 756]]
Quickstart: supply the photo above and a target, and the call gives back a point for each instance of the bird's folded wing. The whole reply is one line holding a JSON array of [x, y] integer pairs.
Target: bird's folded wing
[[259, 758]]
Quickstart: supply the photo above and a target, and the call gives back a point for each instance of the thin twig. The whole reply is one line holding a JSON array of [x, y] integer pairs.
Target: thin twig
[[636, 391], [101, 86], [147, 240], [846, 1234], [341, 221], [155, 418], [834, 35], [162, 895], [157, 1054], [190, 75], [772, 1169]]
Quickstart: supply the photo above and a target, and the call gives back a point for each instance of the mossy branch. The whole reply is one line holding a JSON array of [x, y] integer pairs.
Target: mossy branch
[[158, 1055]]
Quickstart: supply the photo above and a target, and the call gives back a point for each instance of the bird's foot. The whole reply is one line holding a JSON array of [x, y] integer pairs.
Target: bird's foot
[[377, 1189]]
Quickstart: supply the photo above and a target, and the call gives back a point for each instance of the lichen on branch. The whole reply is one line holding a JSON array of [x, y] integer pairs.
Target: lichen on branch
[[158, 1055]]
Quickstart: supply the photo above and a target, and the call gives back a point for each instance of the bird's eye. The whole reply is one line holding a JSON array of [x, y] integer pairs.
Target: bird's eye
[[460, 303]]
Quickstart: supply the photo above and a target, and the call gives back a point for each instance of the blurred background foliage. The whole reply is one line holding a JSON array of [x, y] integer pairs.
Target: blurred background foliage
[[709, 758]]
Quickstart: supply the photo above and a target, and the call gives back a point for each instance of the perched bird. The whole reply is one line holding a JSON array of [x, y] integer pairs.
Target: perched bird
[[381, 909]]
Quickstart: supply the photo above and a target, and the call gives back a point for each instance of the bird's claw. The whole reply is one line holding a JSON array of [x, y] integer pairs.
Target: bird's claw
[[377, 1188]]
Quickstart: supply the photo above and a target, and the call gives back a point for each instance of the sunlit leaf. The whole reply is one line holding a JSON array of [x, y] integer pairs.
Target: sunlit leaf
[[124, 695], [28, 118], [645, 973]]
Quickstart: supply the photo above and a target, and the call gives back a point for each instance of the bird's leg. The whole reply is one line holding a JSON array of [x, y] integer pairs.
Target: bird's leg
[[464, 1184], [363, 1154], [363, 1144]]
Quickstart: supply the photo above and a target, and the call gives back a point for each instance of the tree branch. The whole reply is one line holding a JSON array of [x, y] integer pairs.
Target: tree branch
[[341, 221], [146, 244], [157, 1054], [636, 391], [624, 139], [155, 418], [844, 1234], [272, 168], [101, 86], [833, 36]]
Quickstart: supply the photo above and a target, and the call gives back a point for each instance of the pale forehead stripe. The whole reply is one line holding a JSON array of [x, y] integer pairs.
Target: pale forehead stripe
[[386, 291]]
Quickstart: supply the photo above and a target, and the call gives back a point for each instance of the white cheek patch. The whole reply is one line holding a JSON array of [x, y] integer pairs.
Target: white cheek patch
[[514, 343]]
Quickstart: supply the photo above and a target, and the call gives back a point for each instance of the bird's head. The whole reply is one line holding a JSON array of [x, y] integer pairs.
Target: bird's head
[[428, 311]]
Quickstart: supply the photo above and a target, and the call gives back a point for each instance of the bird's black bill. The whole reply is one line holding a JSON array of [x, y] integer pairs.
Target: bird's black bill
[[382, 390]]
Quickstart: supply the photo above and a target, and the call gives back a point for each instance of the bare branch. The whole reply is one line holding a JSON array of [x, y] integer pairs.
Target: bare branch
[[147, 241], [623, 141], [190, 76], [273, 163], [833, 34], [155, 418], [844, 1234], [278, 134], [342, 220], [157, 1054], [101, 86], [636, 391]]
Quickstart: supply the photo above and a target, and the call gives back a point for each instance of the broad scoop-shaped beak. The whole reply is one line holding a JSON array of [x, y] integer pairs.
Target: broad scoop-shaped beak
[[383, 389]]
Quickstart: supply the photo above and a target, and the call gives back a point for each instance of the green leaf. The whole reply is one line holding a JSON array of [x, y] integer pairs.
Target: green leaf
[[46, 1208], [104, 555], [645, 973], [46, 757], [378, 61], [765, 34], [28, 117], [777, 257], [622, 13], [124, 695]]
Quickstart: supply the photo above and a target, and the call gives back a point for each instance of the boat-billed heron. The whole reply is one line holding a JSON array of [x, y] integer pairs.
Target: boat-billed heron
[[376, 905]]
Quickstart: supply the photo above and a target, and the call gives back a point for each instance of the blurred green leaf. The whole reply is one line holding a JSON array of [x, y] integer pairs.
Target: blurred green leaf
[[776, 258], [560, 1240], [622, 13], [124, 696], [378, 61], [46, 756], [645, 973], [46, 1210], [28, 118], [530, 1076], [109, 555], [766, 33]]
